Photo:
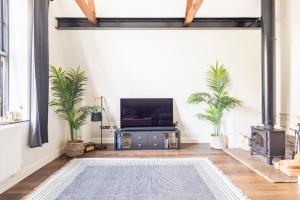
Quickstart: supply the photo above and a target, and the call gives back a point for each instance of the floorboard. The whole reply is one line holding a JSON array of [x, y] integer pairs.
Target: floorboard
[[253, 185]]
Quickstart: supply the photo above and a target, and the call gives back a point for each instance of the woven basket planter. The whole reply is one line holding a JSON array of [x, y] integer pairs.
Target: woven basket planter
[[74, 148]]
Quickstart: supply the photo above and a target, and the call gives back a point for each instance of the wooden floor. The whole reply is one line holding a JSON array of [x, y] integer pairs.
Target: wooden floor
[[254, 186]]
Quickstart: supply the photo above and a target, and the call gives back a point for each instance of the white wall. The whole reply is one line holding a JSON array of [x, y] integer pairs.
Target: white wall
[[165, 63], [289, 62], [19, 60], [290, 45]]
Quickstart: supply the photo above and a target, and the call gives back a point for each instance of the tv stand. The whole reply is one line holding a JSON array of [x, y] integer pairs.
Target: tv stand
[[147, 138]]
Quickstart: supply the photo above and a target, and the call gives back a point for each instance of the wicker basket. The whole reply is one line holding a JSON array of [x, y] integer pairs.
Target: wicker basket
[[74, 148]]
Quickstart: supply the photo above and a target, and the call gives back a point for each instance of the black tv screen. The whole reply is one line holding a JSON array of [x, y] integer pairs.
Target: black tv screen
[[146, 112]]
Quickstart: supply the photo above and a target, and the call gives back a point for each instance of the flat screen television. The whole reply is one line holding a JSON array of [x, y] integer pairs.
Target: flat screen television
[[146, 112]]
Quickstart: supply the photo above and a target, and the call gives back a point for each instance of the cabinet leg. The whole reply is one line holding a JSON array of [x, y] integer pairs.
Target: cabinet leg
[[251, 152], [270, 160]]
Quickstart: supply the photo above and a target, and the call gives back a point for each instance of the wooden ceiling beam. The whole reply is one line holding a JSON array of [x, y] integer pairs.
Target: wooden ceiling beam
[[91, 6], [191, 10], [189, 4], [88, 8]]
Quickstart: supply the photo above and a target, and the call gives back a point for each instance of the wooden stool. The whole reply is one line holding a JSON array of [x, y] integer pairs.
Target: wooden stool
[[289, 167]]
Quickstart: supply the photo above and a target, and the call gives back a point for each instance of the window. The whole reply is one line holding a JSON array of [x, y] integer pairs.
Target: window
[[3, 56]]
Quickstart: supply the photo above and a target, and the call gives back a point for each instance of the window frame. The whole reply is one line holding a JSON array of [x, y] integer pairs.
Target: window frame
[[4, 61]]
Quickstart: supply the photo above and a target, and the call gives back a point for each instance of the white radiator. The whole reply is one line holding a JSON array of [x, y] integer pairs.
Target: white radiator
[[10, 151]]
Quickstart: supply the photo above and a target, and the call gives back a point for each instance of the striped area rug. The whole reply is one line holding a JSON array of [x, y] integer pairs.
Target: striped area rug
[[138, 178]]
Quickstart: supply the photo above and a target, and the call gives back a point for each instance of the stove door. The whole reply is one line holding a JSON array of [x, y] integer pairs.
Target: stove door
[[259, 143]]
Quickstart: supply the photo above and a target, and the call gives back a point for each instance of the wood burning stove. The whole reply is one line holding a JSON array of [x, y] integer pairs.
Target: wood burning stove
[[266, 140]]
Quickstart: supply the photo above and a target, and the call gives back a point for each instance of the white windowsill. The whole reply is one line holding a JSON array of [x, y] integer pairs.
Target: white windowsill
[[11, 124]]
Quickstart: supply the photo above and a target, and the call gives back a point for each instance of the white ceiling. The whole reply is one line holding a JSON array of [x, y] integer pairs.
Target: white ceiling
[[159, 8]]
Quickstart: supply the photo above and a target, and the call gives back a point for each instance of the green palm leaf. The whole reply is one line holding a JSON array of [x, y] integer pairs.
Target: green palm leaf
[[217, 78], [199, 97]]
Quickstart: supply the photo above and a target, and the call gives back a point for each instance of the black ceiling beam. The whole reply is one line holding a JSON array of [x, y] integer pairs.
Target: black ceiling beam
[[156, 23]]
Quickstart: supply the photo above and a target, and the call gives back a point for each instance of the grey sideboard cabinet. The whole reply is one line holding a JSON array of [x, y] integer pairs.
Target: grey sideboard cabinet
[[147, 139]]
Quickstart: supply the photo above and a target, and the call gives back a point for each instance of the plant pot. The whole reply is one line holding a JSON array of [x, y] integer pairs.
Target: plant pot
[[216, 142], [74, 148]]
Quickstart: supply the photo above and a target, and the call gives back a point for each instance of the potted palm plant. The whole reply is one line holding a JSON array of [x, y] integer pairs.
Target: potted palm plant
[[67, 90], [218, 101]]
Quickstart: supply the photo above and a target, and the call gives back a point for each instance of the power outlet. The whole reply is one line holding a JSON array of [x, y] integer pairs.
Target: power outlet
[[105, 127]]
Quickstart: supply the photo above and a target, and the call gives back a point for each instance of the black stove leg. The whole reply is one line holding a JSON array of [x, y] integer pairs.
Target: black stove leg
[[270, 160]]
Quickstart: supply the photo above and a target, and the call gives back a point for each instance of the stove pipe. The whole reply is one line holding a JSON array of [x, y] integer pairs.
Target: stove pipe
[[268, 64]]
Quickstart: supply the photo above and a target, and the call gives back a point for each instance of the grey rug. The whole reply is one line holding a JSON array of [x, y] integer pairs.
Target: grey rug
[[138, 179]]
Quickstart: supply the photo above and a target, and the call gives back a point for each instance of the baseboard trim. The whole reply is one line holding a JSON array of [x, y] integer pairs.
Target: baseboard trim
[[192, 140], [104, 140], [13, 180]]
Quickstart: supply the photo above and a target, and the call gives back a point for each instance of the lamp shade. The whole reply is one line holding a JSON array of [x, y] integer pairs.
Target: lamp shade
[[96, 117]]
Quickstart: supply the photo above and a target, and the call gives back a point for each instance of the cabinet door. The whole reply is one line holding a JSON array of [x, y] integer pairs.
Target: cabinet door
[[139, 140], [156, 140]]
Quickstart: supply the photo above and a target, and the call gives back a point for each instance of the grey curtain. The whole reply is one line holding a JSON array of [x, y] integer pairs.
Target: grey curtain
[[39, 75]]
